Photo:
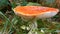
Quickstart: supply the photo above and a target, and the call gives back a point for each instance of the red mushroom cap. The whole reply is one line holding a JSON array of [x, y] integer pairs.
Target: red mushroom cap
[[36, 11]]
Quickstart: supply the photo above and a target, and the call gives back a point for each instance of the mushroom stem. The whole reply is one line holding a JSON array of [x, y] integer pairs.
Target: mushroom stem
[[33, 27], [32, 23]]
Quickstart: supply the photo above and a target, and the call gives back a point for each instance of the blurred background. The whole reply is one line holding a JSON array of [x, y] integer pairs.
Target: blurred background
[[12, 24]]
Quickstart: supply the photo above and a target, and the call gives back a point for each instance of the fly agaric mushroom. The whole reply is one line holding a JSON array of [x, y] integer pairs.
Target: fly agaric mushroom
[[29, 12]]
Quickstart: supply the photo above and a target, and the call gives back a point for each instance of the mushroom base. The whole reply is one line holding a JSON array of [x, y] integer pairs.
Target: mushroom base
[[32, 24], [33, 28]]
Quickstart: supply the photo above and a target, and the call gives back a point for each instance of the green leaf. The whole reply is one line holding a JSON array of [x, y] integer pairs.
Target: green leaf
[[33, 4]]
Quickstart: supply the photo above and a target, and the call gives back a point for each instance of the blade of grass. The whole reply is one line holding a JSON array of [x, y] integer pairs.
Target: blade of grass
[[6, 23], [13, 21]]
